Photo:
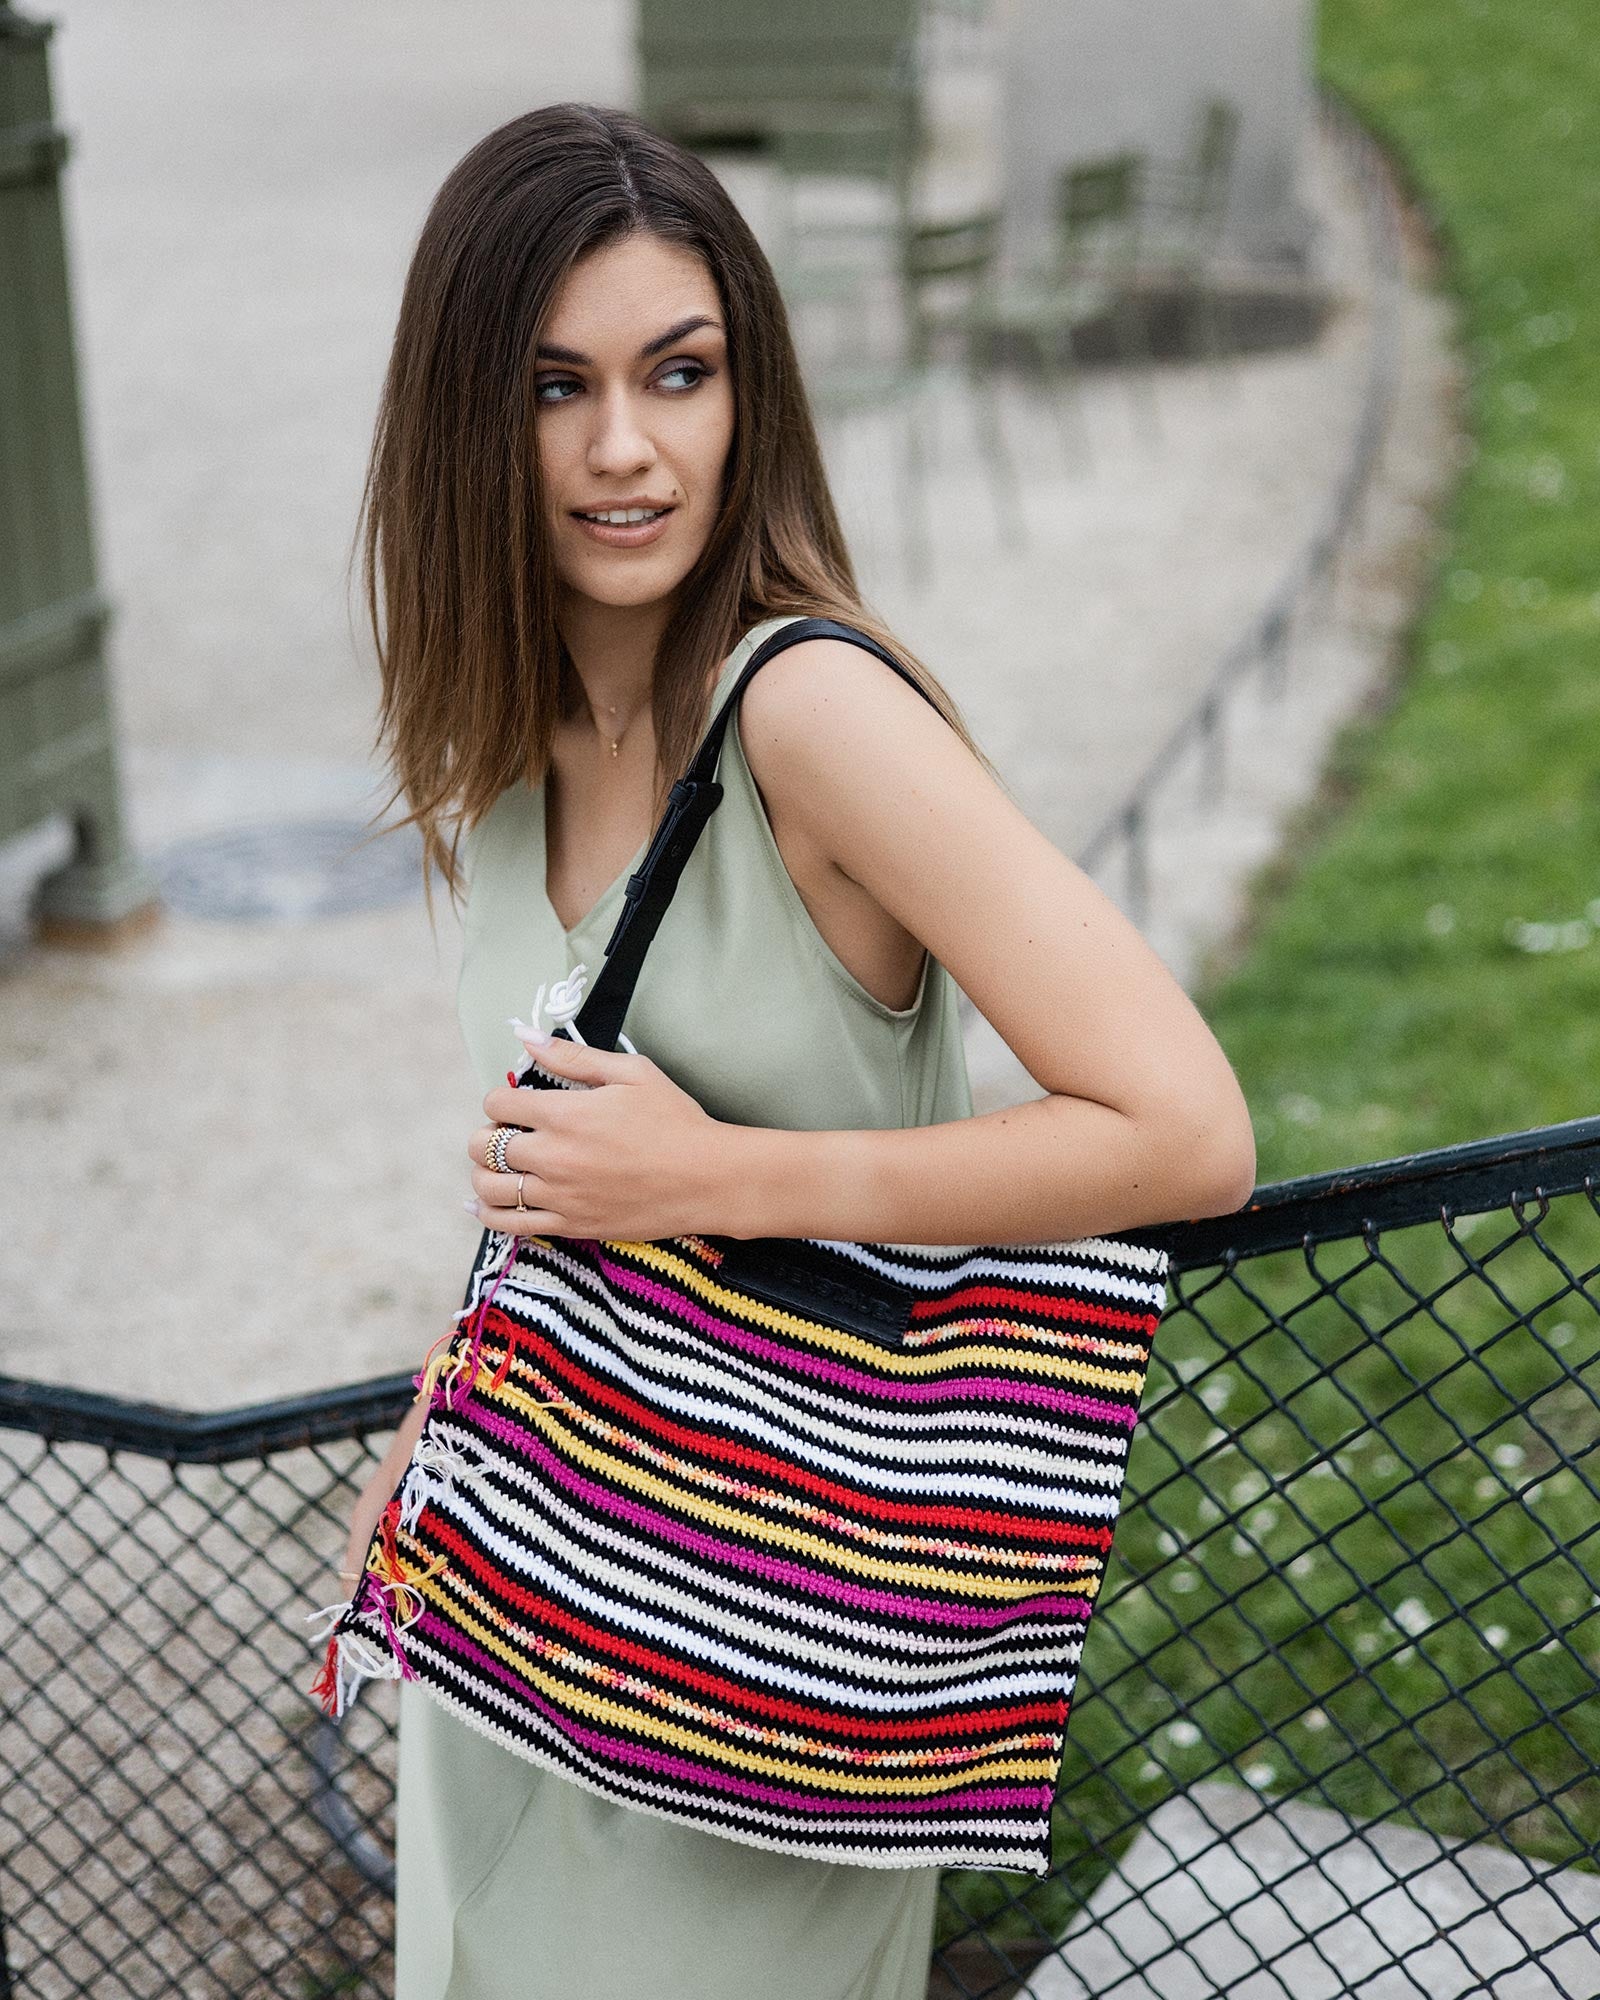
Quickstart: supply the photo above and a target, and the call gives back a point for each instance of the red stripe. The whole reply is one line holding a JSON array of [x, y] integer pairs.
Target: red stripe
[[679, 1674], [976, 1520], [1034, 1305]]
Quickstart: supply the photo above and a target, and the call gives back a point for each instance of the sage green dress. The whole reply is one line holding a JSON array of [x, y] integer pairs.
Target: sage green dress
[[514, 1882]]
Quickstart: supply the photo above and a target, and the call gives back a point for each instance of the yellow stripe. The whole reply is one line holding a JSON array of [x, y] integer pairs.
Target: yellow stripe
[[778, 1736], [712, 1478], [722, 1755], [619, 1472], [908, 1362]]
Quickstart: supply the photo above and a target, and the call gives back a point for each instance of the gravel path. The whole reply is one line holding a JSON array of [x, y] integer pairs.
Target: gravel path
[[239, 1147]]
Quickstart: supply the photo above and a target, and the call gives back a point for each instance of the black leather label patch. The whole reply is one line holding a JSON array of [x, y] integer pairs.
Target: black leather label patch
[[821, 1284]]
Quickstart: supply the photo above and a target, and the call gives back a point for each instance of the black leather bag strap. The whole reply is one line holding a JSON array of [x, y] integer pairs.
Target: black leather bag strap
[[690, 804]]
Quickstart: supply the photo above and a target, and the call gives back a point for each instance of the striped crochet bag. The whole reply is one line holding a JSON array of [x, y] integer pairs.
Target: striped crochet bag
[[792, 1540]]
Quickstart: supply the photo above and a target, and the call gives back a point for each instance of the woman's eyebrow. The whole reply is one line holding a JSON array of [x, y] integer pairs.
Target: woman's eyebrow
[[571, 354]]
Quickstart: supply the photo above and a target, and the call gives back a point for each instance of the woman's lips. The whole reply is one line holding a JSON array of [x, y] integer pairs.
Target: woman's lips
[[633, 536]]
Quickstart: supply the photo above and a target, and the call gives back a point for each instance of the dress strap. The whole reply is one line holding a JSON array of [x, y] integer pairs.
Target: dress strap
[[693, 799]]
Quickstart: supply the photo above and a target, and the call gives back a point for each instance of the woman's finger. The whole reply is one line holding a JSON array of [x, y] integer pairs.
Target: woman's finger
[[529, 1222], [518, 1152], [500, 1190]]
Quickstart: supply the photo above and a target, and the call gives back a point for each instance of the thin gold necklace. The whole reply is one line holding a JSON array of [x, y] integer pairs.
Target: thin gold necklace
[[615, 741]]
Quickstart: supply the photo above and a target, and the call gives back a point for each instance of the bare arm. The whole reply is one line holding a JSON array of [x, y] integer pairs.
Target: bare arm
[[371, 1500], [1143, 1119]]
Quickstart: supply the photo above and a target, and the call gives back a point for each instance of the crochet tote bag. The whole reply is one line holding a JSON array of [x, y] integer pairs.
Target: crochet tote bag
[[790, 1539]]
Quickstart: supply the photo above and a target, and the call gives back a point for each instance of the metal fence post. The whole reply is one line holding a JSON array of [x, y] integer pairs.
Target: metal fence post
[[57, 744]]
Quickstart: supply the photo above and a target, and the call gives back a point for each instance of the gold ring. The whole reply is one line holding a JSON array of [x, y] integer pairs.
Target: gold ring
[[495, 1152], [522, 1206]]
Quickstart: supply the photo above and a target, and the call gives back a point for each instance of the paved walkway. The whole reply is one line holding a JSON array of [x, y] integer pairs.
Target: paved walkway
[[241, 1145]]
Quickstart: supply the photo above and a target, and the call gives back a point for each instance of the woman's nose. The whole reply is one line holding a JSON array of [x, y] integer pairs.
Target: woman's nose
[[621, 442]]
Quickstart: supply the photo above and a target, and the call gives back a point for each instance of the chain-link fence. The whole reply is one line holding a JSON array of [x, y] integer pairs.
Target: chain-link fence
[[1337, 1730]]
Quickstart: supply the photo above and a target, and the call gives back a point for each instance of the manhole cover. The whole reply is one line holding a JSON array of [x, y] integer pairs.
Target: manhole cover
[[288, 870]]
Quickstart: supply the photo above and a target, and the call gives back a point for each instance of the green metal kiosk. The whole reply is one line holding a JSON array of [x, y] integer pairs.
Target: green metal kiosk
[[58, 750]]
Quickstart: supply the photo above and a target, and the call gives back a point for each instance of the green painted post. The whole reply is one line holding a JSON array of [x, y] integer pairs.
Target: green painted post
[[57, 743]]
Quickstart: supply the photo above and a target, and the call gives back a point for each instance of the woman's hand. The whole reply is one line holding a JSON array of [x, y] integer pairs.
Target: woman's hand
[[630, 1159]]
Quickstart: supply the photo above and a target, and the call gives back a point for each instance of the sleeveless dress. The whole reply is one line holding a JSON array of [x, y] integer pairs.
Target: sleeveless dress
[[513, 1882]]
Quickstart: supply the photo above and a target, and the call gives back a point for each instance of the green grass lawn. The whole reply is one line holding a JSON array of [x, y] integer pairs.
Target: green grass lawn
[[1310, 1588], [1430, 971]]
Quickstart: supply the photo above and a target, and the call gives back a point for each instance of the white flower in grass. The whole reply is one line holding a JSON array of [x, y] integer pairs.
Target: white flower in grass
[[1314, 1718], [1496, 1636], [1296, 1105], [1185, 1735], [1571, 935], [1259, 1775], [1149, 1772], [1184, 1580], [1508, 1455], [1413, 1616]]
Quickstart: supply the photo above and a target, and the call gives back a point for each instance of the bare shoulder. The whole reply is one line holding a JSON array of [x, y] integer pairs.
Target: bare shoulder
[[883, 791], [815, 674], [826, 719]]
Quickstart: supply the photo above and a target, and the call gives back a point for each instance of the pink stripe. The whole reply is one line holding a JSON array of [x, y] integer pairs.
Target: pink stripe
[[774, 1568], [985, 1388], [989, 1798]]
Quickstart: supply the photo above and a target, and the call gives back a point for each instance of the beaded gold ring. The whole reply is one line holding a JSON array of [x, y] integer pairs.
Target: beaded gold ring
[[499, 1139]]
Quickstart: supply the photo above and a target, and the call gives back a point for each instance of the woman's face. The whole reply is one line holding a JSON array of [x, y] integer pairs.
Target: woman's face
[[634, 409]]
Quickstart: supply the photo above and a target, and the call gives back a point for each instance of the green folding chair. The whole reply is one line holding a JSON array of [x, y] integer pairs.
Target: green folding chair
[[939, 269], [727, 73], [1184, 209], [1086, 277]]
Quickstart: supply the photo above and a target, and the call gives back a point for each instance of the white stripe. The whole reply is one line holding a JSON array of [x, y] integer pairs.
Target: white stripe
[[626, 1362], [994, 1658], [938, 1464], [966, 1844], [582, 1273], [938, 1271]]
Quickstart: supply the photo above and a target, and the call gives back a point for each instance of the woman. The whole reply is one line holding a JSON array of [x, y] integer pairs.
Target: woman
[[594, 488]]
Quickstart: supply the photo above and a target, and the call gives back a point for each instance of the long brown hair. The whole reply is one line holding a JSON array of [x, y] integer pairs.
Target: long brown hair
[[459, 581]]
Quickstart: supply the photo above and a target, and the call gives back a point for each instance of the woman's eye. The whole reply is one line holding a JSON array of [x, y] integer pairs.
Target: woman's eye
[[696, 370]]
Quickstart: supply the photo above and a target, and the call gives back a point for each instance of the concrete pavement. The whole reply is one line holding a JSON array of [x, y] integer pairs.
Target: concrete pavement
[[238, 1147]]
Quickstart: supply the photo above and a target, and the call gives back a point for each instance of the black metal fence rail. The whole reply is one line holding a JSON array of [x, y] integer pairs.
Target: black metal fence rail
[[1337, 1731]]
